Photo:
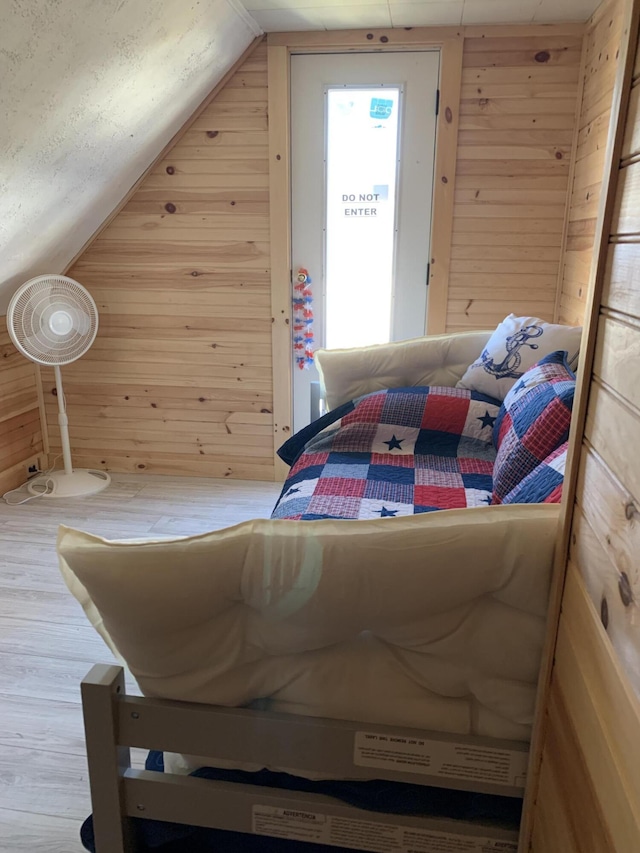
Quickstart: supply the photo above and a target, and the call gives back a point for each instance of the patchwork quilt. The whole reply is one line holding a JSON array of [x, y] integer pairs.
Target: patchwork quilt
[[396, 452]]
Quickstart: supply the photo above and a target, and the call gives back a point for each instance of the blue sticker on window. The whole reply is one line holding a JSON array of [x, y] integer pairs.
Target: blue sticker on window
[[380, 108]]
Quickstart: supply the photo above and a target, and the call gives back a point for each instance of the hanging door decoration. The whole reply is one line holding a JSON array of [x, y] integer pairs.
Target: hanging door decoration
[[303, 320]]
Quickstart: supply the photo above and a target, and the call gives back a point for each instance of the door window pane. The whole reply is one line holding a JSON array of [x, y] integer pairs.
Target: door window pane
[[361, 174]]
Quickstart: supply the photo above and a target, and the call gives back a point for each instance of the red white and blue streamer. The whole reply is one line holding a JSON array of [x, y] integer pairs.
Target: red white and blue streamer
[[303, 320]]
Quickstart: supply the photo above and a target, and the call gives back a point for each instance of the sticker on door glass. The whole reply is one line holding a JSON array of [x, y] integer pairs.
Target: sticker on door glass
[[381, 108]]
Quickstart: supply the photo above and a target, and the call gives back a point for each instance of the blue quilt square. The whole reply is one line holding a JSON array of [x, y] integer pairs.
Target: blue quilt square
[[483, 482], [485, 398], [403, 409], [474, 448], [294, 506], [418, 509], [310, 473], [391, 474], [353, 472], [536, 487], [401, 493], [337, 458], [437, 443], [529, 408], [316, 516]]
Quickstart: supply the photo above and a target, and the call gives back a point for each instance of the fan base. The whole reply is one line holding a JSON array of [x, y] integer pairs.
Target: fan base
[[80, 483]]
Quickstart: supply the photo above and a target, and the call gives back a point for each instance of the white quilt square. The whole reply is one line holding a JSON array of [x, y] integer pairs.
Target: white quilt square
[[398, 441]]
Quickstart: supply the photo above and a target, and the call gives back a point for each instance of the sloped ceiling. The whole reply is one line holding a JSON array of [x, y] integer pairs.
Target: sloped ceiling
[[90, 92]]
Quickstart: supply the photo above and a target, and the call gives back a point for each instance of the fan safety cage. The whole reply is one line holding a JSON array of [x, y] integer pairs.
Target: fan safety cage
[[53, 320]]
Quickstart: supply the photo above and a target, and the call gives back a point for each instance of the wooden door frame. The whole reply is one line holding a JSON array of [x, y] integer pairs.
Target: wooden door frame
[[280, 46]]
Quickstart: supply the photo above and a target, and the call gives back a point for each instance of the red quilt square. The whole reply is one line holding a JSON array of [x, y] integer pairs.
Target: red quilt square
[[556, 495], [404, 461], [546, 432], [505, 426], [467, 465], [368, 411], [440, 496], [347, 487], [309, 459], [445, 414], [338, 507]]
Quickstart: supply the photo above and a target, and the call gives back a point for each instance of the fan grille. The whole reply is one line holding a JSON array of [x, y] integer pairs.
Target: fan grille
[[52, 320]]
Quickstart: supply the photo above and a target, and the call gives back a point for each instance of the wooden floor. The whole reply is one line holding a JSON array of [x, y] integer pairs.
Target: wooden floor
[[46, 645]]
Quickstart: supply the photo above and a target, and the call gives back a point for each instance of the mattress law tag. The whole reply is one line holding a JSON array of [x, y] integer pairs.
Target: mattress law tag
[[443, 759], [369, 835]]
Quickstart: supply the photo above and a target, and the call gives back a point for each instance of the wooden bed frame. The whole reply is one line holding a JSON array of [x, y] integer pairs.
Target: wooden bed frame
[[337, 749]]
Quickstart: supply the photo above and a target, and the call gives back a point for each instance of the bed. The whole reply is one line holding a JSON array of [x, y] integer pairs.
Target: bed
[[379, 640]]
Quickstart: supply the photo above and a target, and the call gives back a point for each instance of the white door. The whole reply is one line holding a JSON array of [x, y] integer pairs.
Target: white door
[[362, 159]]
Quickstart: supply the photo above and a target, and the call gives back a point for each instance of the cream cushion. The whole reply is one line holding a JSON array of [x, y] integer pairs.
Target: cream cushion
[[434, 621], [436, 360]]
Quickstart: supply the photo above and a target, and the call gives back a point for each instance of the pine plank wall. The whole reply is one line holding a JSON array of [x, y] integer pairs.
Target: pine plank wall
[[589, 792], [602, 43], [516, 131], [21, 442], [180, 377]]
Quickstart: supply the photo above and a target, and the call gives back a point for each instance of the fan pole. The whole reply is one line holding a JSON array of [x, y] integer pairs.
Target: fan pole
[[63, 422]]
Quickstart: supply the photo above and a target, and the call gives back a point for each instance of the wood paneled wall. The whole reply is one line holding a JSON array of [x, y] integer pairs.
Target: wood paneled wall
[[602, 47], [589, 792], [517, 118], [179, 379], [21, 442]]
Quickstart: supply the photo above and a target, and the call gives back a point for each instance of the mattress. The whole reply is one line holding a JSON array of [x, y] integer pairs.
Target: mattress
[[430, 621]]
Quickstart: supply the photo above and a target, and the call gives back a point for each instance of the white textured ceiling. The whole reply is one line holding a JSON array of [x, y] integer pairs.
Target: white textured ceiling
[[286, 15], [90, 93], [92, 90]]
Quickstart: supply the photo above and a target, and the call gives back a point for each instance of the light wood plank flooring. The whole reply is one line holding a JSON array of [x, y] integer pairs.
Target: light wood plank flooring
[[47, 647]]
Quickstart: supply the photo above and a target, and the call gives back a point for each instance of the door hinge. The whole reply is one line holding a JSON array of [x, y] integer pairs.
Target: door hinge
[[428, 274], [437, 101]]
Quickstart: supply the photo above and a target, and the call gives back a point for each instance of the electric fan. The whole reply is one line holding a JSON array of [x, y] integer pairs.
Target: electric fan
[[53, 321]]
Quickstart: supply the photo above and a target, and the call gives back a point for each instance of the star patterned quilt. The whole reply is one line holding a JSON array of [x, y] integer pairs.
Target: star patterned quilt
[[396, 452]]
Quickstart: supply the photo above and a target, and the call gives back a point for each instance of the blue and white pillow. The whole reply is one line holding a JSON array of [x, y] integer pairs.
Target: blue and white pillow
[[515, 346]]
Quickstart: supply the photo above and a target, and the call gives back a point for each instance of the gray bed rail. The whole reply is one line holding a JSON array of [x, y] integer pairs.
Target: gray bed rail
[[115, 722]]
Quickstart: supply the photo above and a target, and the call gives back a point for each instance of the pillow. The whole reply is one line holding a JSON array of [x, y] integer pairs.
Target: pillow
[[552, 369], [532, 422], [544, 484], [515, 346], [433, 360]]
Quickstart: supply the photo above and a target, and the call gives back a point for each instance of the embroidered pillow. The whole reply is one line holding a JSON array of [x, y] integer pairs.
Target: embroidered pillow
[[515, 346], [533, 422], [544, 484]]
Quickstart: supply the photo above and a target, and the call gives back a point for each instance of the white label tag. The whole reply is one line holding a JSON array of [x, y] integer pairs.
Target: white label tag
[[367, 834], [441, 758]]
